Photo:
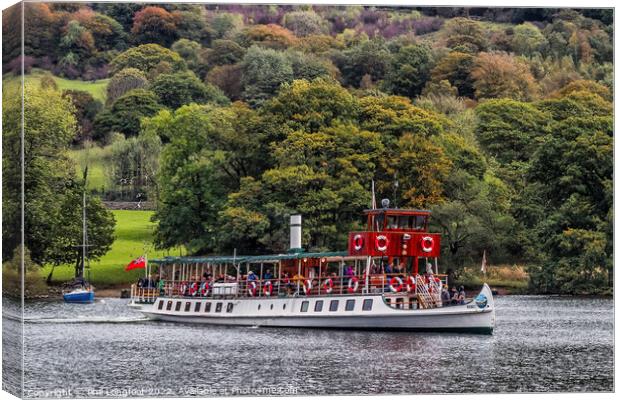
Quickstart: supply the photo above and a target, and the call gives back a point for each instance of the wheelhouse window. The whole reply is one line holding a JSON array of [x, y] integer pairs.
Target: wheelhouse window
[[218, 307], [318, 306], [350, 305], [333, 305], [304, 306], [229, 307], [187, 306], [161, 305], [367, 305], [169, 305], [197, 306], [207, 307], [177, 306]]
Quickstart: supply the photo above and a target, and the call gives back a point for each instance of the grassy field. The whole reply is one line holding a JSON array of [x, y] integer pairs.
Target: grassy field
[[96, 88], [96, 157], [514, 278], [134, 233]]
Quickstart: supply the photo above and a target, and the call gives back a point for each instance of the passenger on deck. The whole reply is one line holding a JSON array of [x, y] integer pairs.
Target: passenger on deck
[[445, 296], [267, 275], [388, 268], [251, 276], [454, 296], [374, 269], [461, 296], [429, 269], [349, 272]]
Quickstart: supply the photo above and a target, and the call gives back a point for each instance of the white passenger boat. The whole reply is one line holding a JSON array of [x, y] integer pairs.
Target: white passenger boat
[[375, 285]]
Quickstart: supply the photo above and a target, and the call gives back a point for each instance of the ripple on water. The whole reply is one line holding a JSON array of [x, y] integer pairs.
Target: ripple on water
[[540, 344]]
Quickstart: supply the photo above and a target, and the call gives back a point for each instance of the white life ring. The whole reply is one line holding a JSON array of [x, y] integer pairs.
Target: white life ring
[[252, 287], [353, 285], [358, 242], [307, 286], [396, 284], [328, 285], [381, 242], [427, 244], [267, 288]]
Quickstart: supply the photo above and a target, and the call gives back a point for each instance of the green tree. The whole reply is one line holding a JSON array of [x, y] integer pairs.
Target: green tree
[[123, 81], [125, 114], [146, 58], [225, 52], [464, 34], [409, 70], [175, 90], [370, 57], [456, 68], [305, 23], [527, 39], [190, 51], [264, 70]]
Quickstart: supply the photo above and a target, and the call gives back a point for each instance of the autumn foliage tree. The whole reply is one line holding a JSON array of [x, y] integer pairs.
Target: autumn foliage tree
[[498, 75], [154, 25]]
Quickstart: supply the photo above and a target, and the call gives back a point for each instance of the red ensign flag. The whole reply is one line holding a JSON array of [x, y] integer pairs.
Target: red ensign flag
[[139, 262]]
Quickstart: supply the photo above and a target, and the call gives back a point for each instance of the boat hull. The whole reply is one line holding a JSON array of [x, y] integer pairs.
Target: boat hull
[[286, 312], [84, 297]]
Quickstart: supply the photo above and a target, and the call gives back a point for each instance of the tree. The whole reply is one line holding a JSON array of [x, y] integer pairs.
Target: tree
[[190, 51], [508, 129], [584, 86], [270, 36], [499, 75], [409, 70], [175, 90], [12, 284], [226, 25], [455, 68], [146, 58], [466, 35], [125, 114], [264, 70], [225, 52], [154, 25], [123, 81], [305, 23], [527, 39], [192, 26], [310, 67], [86, 108], [370, 57], [228, 79]]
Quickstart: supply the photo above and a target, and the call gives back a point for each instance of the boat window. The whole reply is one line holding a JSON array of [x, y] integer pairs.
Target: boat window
[[304, 306], [259, 306], [333, 306], [177, 307], [229, 307], [207, 307], [406, 221], [169, 305], [318, 305], [271, 307], [197, 306], [367, 306], [350, 305], [161, 305], [187, 306], [218, 307], [284, 306], [392, 222], [420, 222]]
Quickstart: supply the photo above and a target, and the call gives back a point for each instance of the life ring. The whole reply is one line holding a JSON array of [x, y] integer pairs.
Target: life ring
[[193, 289], [183, 289], [268, 288], [410, 284], [358, 242], [328, 285], [353, 285], [381, 242], [204, 290], [427, 244], [252, 287], [396, 284], [307, 286]]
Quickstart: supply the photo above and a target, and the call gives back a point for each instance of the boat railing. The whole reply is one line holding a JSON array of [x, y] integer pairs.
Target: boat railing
[[428, 287]]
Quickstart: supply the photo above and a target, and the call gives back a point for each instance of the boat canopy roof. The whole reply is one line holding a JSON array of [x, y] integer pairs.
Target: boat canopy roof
[[247, 259], [396, 211]]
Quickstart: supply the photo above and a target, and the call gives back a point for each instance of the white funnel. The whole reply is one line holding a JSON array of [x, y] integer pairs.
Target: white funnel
[[296, 231]]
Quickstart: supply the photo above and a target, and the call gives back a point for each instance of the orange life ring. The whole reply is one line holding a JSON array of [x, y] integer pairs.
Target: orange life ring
[[268, 288], [252, 288], [396, 284], [358, 242], [382, 242], [353, 285], [427, 244], [328, 285]]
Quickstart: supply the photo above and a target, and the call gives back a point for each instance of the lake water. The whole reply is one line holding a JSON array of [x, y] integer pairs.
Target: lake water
[[540, 344]]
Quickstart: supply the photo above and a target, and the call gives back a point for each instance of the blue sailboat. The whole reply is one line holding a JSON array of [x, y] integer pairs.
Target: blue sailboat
[[80, 291]]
